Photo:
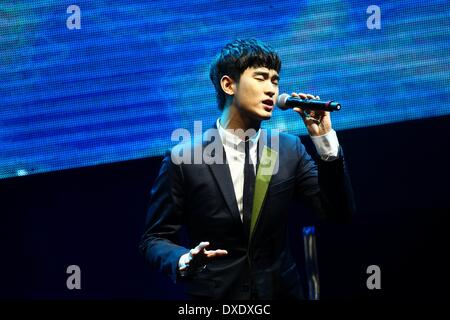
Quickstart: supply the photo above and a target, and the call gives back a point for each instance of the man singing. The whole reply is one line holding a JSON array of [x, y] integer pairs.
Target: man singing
[[236, 215]]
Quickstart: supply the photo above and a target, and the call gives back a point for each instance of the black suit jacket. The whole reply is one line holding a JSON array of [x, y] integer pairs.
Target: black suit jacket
[[201, 196]]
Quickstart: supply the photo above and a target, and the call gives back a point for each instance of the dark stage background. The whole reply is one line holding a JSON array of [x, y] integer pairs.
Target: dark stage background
[[93, 217]]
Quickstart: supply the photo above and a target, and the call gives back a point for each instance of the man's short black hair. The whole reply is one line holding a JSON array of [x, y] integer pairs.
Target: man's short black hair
[[236, 57]]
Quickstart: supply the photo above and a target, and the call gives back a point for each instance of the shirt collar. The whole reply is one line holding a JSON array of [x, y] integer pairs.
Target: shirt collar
[[231, 139]]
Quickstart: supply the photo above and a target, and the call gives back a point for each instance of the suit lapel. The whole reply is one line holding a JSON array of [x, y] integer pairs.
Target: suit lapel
[[222, 175], [266, 165]]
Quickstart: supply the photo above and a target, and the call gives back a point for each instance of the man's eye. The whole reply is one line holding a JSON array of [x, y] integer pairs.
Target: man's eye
[[260, 78]]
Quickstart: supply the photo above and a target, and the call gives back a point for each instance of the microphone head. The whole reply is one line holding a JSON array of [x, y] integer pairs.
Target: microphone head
[[281, 102]]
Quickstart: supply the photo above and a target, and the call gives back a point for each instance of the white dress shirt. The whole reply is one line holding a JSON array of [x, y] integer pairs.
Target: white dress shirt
[[235, 153]]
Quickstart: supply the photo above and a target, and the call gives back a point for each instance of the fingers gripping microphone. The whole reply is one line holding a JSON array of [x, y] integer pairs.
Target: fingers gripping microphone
[[286, 101]]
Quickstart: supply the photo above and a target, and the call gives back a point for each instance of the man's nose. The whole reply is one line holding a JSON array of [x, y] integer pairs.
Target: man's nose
[[270, 89]]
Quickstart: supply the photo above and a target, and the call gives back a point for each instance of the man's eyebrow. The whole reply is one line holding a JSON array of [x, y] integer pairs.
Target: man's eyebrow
[[266, 74]]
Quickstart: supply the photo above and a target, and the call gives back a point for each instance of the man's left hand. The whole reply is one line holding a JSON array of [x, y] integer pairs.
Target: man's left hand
[[317, 122]]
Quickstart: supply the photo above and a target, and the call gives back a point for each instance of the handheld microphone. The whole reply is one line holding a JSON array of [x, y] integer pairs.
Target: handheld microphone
[[286, 101]]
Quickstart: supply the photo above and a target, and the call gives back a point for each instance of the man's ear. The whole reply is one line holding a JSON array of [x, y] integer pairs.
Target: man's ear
[[228, 85]]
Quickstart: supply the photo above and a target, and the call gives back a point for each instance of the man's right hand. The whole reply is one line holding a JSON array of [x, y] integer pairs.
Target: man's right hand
[[197, 258]]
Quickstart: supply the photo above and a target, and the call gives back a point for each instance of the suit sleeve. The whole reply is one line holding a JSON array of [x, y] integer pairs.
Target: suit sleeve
[[325, 186], [164, 220]]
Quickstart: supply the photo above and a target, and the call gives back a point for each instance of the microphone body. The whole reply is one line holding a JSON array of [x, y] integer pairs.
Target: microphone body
[[286, 101]]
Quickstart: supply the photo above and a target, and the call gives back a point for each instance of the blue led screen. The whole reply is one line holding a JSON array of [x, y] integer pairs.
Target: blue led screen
[[116, 88]]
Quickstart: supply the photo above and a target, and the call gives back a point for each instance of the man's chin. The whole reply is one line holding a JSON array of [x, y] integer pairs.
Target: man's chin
[[261, 116], [266, 116]]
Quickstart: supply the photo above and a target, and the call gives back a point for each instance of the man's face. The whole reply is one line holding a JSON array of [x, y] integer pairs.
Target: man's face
[[256, 92]]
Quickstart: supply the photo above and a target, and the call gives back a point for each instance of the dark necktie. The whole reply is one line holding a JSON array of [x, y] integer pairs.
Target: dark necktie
[[249, 189]]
